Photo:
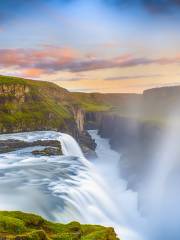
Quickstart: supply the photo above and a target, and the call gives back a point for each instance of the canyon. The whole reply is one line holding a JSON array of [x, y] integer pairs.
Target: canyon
[[133, 123], [127, 140]]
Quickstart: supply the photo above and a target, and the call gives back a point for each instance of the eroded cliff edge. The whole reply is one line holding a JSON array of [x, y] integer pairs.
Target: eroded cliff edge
[[134, 123], [27, 105]]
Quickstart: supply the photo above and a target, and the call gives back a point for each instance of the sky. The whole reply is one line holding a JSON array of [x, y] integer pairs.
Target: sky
[[92, 45]]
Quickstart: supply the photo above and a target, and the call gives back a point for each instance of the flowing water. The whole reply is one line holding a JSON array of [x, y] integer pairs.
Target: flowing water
[[70, 187]]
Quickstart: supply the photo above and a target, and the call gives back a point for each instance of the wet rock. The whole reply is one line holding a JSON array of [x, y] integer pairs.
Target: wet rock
[[49, 151], [87, 144], [86, 140], [88, 153], [12, 144]]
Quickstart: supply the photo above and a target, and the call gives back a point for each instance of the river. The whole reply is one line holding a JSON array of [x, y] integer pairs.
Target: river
[[71, 187]]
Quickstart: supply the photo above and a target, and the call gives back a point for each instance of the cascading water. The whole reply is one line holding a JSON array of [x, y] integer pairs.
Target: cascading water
[[69, 187], [70, 146], [101, 193]]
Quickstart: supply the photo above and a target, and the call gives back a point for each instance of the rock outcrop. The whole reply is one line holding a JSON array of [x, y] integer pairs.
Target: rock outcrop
[[49, 151], [53, 147]]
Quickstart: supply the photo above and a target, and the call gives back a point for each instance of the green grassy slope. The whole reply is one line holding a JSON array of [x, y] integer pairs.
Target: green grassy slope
[[23, 226], [27, 105], [91, 103], [158, 106], [112, 102]]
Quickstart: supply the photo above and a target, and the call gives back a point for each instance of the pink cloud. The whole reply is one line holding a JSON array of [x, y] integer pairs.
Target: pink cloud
[[33, 72], [29, 57], [50, 59]]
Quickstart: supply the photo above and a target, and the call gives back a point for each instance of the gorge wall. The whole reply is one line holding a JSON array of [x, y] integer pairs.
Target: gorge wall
[[132, 122], [27, 105], [137, 133]]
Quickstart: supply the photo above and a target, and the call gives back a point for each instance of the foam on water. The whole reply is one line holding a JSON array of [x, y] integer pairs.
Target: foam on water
[[69, 187]]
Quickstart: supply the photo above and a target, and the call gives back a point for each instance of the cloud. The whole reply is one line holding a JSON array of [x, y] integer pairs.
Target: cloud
[[51, 59], [29, 57], [73, 79], [34, 61], [88, 90], [119, 78], [154, 85], [151, 6], [82, 65], [33, 72]]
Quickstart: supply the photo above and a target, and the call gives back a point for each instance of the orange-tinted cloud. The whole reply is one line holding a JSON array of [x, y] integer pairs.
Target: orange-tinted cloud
[[129, 77], [31, 57], [50, 59], [33, 72]]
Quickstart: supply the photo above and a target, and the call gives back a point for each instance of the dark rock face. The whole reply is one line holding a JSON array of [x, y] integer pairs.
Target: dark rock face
[[87, 144], [93, 120], [85, 139], [133, 139]]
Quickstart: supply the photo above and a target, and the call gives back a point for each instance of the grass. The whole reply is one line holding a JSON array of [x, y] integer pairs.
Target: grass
[[32, 105], [46, 106], [90, 103], [25, 226], [27, 105]]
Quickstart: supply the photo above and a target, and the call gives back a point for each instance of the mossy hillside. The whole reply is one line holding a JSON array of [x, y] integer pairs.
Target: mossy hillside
[[46, 106], [24, 226], [158, 107], [90, 103], [27, 105], [38, 105]]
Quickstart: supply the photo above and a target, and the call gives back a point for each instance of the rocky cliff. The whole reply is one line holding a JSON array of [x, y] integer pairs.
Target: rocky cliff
[[132, 122], [136, 125], [27, 105]]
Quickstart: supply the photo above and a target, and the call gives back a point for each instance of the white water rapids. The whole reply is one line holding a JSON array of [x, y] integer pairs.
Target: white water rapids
[[70, 187]]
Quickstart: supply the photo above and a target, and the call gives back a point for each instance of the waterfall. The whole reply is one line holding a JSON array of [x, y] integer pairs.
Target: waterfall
[[73, 188], [100, 196], [69, 146]]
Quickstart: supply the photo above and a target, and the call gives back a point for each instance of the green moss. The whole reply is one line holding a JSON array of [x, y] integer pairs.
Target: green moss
[[11, 80], [11, 225], [42, 107], [24, 226], [34, 235]]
